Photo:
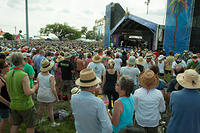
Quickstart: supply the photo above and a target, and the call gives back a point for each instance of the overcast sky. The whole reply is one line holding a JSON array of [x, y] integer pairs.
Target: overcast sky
[[76, 13]]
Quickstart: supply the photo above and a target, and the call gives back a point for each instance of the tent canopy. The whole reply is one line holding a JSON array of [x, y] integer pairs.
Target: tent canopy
[[143, 22]]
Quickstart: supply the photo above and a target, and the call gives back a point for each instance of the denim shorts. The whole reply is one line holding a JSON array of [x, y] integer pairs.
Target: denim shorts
[[4, 114]]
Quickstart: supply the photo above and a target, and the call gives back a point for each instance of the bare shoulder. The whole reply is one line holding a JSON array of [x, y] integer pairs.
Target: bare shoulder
[[118, 103]]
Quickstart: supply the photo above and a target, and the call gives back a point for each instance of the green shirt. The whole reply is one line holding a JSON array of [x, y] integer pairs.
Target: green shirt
[[193, 65], [29, 70], [19, 101]]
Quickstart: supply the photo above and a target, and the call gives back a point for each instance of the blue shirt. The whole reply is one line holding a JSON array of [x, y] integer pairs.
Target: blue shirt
[[90, 114], [185, 111], [126, 118], [38, 62]]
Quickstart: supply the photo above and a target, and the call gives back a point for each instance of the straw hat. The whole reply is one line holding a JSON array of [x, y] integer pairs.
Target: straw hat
[[194, 55], [161, 57], [189, 79], [75, 90], [149, 55], [140, 61], [67, 55], [176, 56], [96, 58], [87, 78], [59, 58], [131, 60], [148, 79], [46, 65]]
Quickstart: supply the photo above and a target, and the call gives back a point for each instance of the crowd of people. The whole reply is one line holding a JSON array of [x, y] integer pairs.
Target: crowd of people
[[140, 85]]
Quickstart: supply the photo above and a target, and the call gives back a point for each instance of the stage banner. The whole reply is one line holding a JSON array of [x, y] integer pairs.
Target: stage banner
[[178, 25], [107, 26]]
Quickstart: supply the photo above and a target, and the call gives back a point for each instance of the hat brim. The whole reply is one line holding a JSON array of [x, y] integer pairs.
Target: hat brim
[[153, 85], [140, 62], [97, 61], [180, 79], [59, 60], [95, 82], [47, 68], [67, 57]]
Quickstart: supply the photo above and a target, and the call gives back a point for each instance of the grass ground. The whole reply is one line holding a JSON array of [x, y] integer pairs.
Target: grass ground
[[66, 126]]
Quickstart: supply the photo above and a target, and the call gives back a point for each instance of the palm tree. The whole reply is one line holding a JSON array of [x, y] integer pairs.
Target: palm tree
[[176, 7]]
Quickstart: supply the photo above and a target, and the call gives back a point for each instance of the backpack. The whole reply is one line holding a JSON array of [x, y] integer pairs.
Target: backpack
[[61, 114]]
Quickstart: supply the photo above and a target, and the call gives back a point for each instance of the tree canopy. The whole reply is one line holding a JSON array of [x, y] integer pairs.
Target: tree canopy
[[9, 36], [62, 31]]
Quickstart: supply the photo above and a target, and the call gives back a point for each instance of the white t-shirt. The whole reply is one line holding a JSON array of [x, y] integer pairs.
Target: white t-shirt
[[131, 72], [118, 62], [148, 65], [161, 67], [174, 65]]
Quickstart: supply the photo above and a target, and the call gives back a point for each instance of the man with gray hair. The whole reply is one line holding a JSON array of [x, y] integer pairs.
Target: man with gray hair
[[22, 105], [131, 71]]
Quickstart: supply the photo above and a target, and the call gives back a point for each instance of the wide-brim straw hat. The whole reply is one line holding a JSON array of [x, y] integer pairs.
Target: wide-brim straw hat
[[148, 79], [87, 78], [176, 56], [97, 59], [194, 55], [189, 79], [140, 61], [46, 65], [60, 58], [131, 60], [67, 55], [149, 55]]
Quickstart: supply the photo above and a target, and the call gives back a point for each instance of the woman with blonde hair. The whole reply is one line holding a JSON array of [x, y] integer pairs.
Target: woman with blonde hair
[[110, 78], [47, 93], [118, 62]]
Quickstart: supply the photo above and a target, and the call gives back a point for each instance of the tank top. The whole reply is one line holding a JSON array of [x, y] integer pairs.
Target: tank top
[[19, 101], [126, 118], [4, 94], [111, 80], [44, 92]]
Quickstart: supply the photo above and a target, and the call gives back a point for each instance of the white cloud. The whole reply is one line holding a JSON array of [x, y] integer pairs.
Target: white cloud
[[76, 13]]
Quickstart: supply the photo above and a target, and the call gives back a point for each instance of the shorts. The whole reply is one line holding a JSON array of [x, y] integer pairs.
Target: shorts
[[27, 116], [67, 86], [4, 114], [167, 71]]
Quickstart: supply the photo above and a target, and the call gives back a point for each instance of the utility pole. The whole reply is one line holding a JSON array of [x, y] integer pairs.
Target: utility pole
[[15, 30], [27, 30], [147, 3]]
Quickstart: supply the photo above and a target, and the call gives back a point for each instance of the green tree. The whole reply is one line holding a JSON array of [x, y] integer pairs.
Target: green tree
[[8, 36], [90, 35], [176, 7], [61, 31], [84, 30]]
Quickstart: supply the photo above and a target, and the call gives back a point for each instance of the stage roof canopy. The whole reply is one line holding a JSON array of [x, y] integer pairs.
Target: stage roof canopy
[[134, 22]]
